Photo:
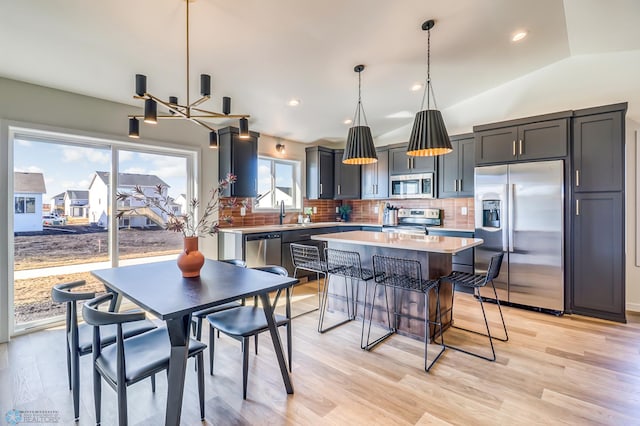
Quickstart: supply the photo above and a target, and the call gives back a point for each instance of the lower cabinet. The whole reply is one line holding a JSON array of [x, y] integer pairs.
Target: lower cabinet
[[302, 236], [462, 261], [598, 255]]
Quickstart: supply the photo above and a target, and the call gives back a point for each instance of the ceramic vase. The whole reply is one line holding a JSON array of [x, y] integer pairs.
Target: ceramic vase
[[190, 261]]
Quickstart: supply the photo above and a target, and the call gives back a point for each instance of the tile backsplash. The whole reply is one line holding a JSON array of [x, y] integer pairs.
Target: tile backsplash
[[361, 211]]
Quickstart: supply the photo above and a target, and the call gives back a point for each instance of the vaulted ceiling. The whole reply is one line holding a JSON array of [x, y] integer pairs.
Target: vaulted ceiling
[[263, 53]]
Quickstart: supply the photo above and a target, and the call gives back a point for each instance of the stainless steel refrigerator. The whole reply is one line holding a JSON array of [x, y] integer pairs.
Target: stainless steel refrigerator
[[519, 211]]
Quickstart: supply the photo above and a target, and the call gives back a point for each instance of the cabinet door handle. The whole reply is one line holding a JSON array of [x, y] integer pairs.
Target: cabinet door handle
[[577, 177], [577, 207], [455, 185], [520, 143], [375, 188], [514, 148], [459, 185], [338, 189], [408, 163], [320, 189]]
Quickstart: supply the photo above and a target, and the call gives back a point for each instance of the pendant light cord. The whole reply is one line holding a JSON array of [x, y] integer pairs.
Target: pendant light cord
[[428, 88], [359, 107], [188, 103]]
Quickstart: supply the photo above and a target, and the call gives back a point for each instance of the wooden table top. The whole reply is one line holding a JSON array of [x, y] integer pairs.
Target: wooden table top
[[427, 243], [160, 288]]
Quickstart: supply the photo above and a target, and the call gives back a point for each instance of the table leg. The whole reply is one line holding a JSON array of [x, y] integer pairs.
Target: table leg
[[179, 336], [277, 343]]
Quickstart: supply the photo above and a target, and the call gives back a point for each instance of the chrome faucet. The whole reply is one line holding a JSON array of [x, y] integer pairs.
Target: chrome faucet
[[281, 211]]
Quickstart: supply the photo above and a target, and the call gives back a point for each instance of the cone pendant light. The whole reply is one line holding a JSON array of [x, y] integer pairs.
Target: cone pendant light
[[360, 148], [429, 135]]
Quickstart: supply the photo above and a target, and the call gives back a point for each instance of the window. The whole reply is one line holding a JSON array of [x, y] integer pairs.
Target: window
[[25, 205], [278, 180]]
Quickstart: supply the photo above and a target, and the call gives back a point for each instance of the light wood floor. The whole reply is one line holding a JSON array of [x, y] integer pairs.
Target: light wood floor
[[553, 370]]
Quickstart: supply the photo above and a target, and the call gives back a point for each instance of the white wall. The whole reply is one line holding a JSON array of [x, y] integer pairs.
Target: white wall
[[632, 215]]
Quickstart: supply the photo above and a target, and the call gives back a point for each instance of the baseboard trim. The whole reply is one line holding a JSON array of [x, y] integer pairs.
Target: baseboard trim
[[633, 307]]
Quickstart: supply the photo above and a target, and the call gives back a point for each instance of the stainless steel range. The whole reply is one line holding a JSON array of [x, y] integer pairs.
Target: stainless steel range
[[416, 220]]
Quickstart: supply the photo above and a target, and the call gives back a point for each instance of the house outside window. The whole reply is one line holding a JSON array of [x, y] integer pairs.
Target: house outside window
[[25, 205], [278, 180]]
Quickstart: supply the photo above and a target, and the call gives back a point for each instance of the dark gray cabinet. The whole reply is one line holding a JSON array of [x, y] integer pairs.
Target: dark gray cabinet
[[320, 178], [597, 220], [525, 142], [597, 152], [346, 178], [455, 170], [598, 255], [400, 163], [375, 178], [240, 157]]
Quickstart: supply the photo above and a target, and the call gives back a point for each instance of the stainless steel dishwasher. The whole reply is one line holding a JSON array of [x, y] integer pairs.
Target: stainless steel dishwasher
[[263, 249]]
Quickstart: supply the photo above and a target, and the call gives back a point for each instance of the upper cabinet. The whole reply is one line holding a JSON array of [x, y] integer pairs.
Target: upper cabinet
[[401, 164], [346, 178], [522, 141], [319, 173], [455, 170], [598, 152], [240, 157], [375, 177]]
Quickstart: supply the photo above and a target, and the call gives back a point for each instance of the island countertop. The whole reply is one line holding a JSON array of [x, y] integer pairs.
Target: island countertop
[[426, 243]]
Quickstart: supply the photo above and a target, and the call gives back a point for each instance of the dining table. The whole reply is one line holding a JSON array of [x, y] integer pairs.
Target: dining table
[[160, 289]]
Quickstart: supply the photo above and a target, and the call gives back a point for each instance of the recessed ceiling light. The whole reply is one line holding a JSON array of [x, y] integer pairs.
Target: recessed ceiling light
[[293, 102], [348, 121], [519, 36], [416, 87]]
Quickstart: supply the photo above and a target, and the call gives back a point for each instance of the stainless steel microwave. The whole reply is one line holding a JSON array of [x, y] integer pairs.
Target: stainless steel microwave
[[419, 185]]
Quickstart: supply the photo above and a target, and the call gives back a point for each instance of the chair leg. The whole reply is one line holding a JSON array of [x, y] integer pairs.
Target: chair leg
[[97, 394], [289, 346], [427, 325], [153, 383], [200, 364], [245, 365], [69, 366], [122, 404], [194, 328], [199, 328], [256, 343], [212, 341], [370, 345], [323, 309], [504, 326], [75, 383]]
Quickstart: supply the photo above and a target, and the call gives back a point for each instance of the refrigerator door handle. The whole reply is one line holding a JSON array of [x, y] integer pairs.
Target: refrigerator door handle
[[510, 196]]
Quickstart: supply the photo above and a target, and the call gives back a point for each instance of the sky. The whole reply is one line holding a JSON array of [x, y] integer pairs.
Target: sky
[[71, 167]]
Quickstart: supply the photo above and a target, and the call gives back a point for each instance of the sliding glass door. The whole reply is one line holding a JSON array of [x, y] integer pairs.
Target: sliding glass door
[[63, 223]]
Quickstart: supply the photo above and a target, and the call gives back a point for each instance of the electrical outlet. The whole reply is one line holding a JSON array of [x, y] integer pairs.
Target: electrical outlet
[[376, 209], [463, 211], [337, 209], [315, 210], [243, 211]]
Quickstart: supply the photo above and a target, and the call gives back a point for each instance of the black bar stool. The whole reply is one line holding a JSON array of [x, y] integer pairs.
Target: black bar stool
[[476, 281], [347, 265], [307, 258], [405, 275]]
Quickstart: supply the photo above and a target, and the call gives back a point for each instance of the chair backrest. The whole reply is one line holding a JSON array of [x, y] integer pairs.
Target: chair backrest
[[274, 269], [343, 262], [306, 257], [61, 293], [95, 317], [494, 266], [236, 262], [397, 272]]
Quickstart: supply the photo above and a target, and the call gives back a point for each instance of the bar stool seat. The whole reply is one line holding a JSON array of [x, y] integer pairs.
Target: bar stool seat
[[346, 264], [307, 258], [478, 281], [404, 275]]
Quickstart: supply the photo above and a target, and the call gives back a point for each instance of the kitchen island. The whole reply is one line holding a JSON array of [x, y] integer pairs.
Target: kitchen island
[[434, 254]]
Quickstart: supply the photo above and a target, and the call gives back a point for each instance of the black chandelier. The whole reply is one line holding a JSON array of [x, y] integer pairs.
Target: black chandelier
[[429, 135], [190, 111]]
